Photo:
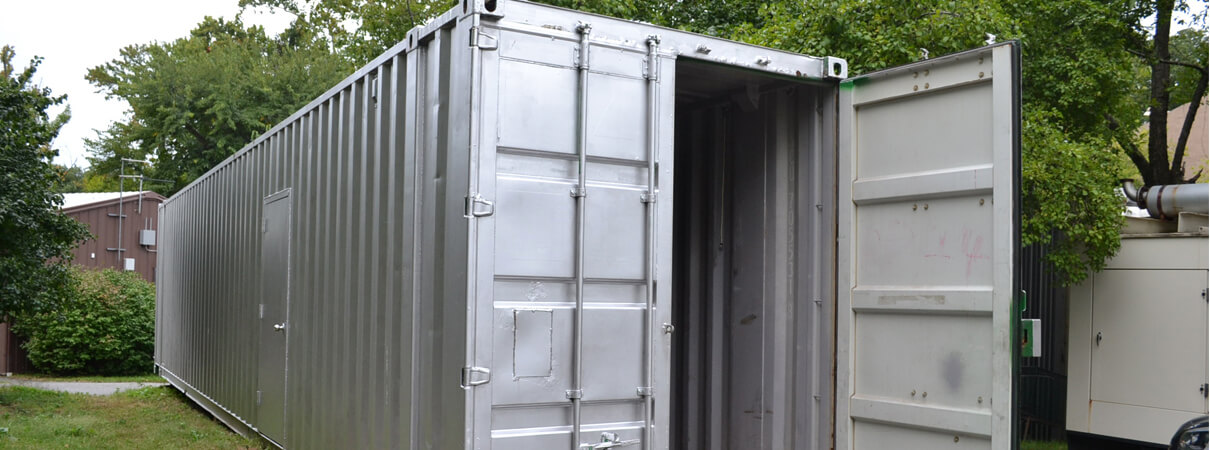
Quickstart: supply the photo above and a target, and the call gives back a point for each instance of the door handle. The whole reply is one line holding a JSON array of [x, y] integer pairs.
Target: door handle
[[279, 326], [1098, 338]]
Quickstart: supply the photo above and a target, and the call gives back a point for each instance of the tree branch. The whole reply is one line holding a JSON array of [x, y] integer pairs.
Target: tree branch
[[1195, 176], [1128, 146], [1184, 64], [1186, 127], [201, 139], [1138, 54]]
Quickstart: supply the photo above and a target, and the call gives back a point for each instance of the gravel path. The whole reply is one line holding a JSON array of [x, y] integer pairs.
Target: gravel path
[[77, 387]]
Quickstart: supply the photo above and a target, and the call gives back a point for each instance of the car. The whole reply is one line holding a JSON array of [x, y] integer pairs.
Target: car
[[1191, 435]]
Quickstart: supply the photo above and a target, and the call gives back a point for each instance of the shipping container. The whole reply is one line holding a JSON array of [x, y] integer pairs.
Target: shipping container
[[525, 227]]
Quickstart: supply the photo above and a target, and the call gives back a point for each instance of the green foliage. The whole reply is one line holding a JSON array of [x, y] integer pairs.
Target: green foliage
[[35, 240], [359, 30], [199, 99], [70, 179], [1067, 189], [1189, 46], [107, 327]]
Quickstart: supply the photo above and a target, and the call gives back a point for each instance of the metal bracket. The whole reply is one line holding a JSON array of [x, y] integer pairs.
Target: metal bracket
[[477, 206], [610, 440], [469, 378], [645, 391], [836, 68], [482, 40], [258, 397], [648, 197], [577, 192], [574, 394], [1205, 389]]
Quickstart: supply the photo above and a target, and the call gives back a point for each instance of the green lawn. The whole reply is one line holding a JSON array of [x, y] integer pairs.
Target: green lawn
[[103, 379], [148, 418], [1039, 445]]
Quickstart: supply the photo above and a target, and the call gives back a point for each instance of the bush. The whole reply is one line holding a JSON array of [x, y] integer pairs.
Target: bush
[[106, 328]]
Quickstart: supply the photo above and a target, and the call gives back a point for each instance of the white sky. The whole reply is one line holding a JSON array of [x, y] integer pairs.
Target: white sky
[[73, 36]]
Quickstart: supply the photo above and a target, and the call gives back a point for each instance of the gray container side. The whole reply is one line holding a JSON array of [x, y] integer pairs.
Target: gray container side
[[375, 171], [396, 298]]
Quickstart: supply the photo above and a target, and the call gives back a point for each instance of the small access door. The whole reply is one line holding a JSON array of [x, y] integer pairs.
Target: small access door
[[275, 301], [927, 237]]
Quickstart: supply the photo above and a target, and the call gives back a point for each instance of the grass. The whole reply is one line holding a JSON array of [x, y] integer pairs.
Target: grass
[[1040, 445], [148, 418], [102, 379]]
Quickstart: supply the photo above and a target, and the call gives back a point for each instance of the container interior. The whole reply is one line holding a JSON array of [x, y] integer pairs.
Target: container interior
[[753, 251]]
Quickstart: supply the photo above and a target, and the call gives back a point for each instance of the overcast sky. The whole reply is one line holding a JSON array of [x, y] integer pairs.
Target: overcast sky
[[74, 35]]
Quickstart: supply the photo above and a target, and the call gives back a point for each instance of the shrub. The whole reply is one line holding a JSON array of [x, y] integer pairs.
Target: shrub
[[107, 327]]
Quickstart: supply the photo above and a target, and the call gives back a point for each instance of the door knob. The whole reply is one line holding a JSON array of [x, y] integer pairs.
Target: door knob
[[279, 326]]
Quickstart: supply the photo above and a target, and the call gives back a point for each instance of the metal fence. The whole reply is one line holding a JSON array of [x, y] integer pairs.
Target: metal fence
[[1043, 385]]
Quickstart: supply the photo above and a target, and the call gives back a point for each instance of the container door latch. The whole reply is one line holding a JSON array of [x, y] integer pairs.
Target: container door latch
[[477, 206], [609, 440], [474, 376], [482, 40]]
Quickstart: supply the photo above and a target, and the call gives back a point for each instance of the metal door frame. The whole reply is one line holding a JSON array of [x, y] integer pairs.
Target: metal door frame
[[282, 195]]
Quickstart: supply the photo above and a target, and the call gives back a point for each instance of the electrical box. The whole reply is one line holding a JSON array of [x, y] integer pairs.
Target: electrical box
[[129, 266], [147, 237]]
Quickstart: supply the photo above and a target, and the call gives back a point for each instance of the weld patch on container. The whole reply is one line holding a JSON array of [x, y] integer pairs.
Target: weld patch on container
[[532, 342]]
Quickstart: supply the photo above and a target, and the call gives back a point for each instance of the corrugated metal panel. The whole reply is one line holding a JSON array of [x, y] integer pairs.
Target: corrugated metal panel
[[371, 317]]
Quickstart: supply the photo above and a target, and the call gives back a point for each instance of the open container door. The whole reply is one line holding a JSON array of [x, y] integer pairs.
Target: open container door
[[928, 238]]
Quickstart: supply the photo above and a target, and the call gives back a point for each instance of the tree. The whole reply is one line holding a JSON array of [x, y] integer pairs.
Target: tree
[[1154, 166], [376, 25], [70, 179], [199, 99], [35, 239]]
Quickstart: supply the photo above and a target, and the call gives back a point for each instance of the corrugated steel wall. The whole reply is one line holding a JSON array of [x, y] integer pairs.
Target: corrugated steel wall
[[377, 172]]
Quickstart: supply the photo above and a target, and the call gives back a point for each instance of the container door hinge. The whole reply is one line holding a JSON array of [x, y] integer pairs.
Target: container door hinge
[[482, 40], [258, 397], [1205, 390], [1204, 298], [477, 206], [474, 376]]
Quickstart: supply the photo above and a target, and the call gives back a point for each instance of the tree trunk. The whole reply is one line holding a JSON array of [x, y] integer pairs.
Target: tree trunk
[[1157, 140]]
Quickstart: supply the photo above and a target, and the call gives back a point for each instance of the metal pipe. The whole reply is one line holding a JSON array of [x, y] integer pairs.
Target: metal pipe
[[653, 43], [1128, 188], [1168, 201], [580, 194]]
